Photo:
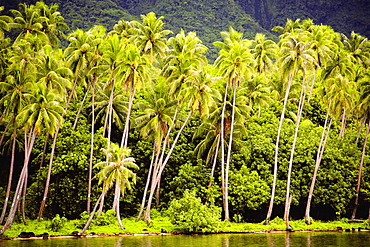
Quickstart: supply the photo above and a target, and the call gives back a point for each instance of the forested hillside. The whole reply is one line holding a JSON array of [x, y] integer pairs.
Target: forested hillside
[[134, 117], [209, 17]]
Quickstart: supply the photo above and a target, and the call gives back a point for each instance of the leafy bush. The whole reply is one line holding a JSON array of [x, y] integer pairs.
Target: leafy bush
[[57, 223], [192, 216], [106, 218]]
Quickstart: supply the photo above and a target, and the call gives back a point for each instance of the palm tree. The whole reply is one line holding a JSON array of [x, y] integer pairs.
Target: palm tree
[[117, 171], [132, 73], [150, 35], [234, 63], [13, 91], [52, 22], [296, 56], [358, 46], [43, 111], [182, 61], [4, 23], [77, 54], [154, 121], [262, 51], [27, 19], [364, 107]]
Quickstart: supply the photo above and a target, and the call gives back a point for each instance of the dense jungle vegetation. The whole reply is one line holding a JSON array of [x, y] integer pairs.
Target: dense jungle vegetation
[[137, 118]]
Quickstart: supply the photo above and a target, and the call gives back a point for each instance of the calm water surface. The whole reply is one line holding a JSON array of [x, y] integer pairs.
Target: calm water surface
[[297, 239]]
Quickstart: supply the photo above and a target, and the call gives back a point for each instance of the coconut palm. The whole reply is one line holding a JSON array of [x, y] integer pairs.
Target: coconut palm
[[52, 22], [27, 19], [14, 91], [117, 171], [131, 73], [364, 105], [43, 111], [185, 57], [263, 51], [150, 36], [154, 121], [235, 64], [4, 23]]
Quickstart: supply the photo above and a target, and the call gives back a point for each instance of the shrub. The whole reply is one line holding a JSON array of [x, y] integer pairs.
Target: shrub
[[192, 216], [57, 223]]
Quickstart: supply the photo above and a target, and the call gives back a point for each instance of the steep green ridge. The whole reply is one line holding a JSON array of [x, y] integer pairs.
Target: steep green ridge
[[343, 15], [207, 18]]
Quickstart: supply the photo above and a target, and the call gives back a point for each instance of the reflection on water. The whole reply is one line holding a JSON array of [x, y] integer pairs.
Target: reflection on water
[[300, 239]]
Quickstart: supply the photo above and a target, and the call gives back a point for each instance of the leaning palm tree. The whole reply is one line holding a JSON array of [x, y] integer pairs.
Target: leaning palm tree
[[364, 105], [181, 63], [154, 120], [43, 111], [117, 171]]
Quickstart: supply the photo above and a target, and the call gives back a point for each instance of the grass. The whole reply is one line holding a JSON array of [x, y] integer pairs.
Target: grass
[[162, 224]]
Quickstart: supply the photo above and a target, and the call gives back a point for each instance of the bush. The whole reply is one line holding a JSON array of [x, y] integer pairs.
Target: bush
[[57, 223], [106, 218], [192, 216]]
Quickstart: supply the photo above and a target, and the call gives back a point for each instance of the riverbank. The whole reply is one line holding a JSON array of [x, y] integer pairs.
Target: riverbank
[[162, 226]]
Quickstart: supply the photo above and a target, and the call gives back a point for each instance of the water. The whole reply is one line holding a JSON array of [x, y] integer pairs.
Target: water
[[296, 239]]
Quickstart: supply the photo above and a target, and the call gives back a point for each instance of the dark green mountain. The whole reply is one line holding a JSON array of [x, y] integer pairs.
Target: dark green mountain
[[209, 17]]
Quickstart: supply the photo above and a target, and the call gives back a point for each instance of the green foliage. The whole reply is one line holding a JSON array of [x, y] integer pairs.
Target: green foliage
[[191, 215], [247, 190], [57, 223]]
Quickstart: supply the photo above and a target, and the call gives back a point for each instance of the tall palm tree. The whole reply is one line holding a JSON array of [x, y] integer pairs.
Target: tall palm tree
[[27, 19], [185, 57], [263, 52], [43, 111], [235, 64], [150, 37], [131, 73], [296, 56], [154, 121], [14, 94], [76, 54], [364, 105]]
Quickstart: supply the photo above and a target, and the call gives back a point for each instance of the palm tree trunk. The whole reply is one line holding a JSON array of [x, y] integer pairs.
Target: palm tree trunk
[[91, 215], [10, 174], [161, 165], [228, 158], [100, 211], [80, 108], [6, 130], [360, 171], [343, 124], [44, 150], [214, 164], [146, 185], [363, 121], [282, 116], [18, 192], [91, 149], [222, 132], [116, 198], [24, 198], [126, 130], [110, 108], [320, 151], [298, 120]]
